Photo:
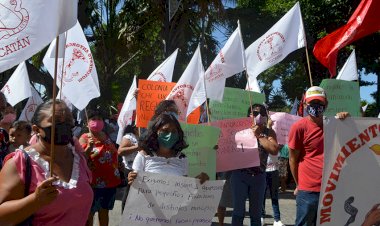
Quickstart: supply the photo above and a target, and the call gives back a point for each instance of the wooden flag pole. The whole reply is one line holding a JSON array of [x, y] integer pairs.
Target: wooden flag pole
[[52, 148], [207, 107], [308, 64], [246, 74], [63, 68]]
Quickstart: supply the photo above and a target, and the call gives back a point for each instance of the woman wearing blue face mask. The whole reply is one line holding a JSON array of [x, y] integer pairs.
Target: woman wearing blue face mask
[[161, 150]]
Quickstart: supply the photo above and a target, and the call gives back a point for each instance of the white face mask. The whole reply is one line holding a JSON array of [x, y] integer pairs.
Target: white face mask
[[261, 120]]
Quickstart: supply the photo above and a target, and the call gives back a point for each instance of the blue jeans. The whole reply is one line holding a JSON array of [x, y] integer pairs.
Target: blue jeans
[[307, 208], [245, 186], [272, 184]]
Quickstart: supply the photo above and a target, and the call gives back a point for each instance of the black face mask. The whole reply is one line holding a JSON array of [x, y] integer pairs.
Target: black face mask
[[62, 136]]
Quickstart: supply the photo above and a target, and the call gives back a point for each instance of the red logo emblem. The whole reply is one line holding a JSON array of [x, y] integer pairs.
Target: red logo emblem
[[6, 90], [270, 48], [79, 65], [161, 77], [179, 98], [13, 18]]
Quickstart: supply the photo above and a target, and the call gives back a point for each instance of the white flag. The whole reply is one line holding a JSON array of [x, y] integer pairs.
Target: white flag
[[164, 72], [182, 91], [229, 61], [364, 108], [28, 26], [18, 86], [126, 112], [349, 71], [199, 95], [252, 84], [31, 105], [286, 36], [80, 79]]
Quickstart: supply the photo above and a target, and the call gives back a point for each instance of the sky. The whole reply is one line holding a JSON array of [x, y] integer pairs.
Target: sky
[[364, 91]]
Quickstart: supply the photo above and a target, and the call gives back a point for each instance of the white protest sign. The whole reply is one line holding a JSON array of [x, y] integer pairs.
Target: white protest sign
[[350, 186], [157, 199]]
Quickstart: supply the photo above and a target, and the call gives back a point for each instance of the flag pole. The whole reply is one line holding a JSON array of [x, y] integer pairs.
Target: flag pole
[[207, 107], [246, 72], [308, 63], [52, 148], [63, 67]]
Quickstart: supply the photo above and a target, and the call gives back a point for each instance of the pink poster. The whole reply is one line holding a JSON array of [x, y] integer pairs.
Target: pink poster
[[237, 146], [282, 123]]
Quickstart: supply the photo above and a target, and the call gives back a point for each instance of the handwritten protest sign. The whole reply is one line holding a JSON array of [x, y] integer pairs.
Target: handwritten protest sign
[[281, 125], [156, 199], [201, 152], [350, 186], [235, 104], [237, 146], [150, 94], [342, 96]]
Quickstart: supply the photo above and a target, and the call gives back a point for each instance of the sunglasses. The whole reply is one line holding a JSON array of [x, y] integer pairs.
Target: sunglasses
[[256, 113]]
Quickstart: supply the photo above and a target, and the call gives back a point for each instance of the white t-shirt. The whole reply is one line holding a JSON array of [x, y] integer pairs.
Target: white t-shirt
[[156, 164], [128, 160]]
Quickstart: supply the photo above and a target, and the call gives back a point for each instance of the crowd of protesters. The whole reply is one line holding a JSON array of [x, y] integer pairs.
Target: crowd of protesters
[[89, 166]]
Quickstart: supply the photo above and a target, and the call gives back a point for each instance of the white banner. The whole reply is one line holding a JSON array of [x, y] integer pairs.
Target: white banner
[[350, 185], [17, 87], [126, 112], [30, 106], [80, 79], [28, 26], [184, 88], [156, 199], [286, 36], [164, 72]]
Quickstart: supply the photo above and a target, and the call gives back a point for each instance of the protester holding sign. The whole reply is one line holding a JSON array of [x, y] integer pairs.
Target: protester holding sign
[[250, 182], [128, 150], [103, 162], [306, 155], [162, 149], [62, 200]]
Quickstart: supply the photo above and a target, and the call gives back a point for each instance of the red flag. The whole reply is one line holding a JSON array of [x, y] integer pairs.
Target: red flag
[[363, 22]]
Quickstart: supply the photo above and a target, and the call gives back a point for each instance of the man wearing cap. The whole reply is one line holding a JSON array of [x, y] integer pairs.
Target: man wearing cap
[[306, 155]]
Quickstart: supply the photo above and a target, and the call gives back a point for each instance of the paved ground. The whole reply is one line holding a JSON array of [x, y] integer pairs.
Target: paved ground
[[287, 209]]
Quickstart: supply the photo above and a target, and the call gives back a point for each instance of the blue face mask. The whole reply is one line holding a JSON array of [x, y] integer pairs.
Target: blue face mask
[[167, 139], [315, 110]]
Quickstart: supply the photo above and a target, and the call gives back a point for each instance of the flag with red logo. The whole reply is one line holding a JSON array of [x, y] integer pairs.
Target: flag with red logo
[[18, 86], [30, 106], [229, 61], [164, 72], [363, 22], [76, 70], [286, 36], [182, 91], [28, 26]]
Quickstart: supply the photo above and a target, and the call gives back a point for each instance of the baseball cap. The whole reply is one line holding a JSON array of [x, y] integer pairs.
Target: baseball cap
[[315, 93]]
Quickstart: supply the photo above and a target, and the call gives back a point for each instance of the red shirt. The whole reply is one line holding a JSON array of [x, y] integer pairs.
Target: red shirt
[[104, 165], [307, 137]]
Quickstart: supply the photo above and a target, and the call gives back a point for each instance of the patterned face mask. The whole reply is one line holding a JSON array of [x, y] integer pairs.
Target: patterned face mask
[[315, 110]]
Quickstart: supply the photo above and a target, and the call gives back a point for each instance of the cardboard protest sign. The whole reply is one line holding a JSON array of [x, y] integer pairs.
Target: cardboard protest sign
[[237, 146], [281, 125], [235, 104], [150, 94], [342, 96], [201, 152], [350, 185], [156, 199]]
